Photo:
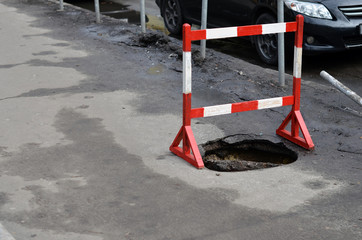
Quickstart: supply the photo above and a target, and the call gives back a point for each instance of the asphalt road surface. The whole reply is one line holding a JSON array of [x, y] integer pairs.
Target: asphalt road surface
[[89, 112]]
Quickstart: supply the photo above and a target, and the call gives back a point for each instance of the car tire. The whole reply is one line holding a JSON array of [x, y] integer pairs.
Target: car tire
[[267, 45], [172, 16]]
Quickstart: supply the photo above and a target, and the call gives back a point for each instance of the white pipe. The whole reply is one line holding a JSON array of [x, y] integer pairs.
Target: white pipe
[[281, 54], [97, 11], [203, 26], [348, 92], [61, 5], [143, 18]]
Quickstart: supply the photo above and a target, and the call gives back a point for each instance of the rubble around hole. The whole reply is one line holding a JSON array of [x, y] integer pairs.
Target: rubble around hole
[[160, 40], [153, 39], [235, 165]]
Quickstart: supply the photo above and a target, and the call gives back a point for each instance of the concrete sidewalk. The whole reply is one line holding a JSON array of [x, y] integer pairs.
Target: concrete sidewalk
[[4, 234], [86, 127]]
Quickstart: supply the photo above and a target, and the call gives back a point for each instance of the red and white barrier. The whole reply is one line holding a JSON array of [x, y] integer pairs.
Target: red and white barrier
[[189, 150]]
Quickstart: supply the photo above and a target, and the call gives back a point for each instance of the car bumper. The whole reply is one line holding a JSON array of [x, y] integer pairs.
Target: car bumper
[[321, 35]]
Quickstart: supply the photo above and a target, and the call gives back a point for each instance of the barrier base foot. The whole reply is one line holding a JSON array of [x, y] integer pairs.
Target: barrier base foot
[[190, 151], [297, 123]]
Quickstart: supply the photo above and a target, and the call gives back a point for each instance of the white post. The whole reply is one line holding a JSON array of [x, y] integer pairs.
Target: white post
[[203, 26], [348, 92], [61, 5], [281, 56], [97, 11], [143, 18]]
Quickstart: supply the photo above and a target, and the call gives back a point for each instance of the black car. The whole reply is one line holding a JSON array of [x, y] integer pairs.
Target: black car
[[330, 25]]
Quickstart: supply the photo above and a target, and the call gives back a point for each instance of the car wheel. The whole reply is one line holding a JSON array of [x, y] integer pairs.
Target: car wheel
[[172, 16], [267, 45]]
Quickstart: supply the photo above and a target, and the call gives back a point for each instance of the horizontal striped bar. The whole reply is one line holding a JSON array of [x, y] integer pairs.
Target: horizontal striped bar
[[241, 31], [270, 103], [274, 28], [242, 107], [198, 35], [227, 32], [217, 110], [250, 30]]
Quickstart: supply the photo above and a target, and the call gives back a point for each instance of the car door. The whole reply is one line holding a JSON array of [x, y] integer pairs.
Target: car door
[[230, 12], [191, 10]]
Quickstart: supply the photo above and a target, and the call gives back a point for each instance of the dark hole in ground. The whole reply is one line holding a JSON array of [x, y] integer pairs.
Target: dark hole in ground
[[109, 8], [246, 155]]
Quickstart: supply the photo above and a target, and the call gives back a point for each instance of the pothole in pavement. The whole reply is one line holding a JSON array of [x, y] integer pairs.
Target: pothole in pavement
[[246, 155]]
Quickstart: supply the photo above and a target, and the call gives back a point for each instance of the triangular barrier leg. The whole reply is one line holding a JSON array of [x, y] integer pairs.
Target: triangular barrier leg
[[189, 143], [297, 123]]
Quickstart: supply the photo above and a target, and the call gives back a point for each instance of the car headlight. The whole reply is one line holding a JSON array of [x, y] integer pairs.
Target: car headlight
[[316, 10]]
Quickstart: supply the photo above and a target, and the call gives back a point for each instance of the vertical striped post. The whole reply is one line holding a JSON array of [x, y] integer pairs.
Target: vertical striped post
[[295, 117], [185, 134], [297, 72], [187, 84], [186, 74]]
